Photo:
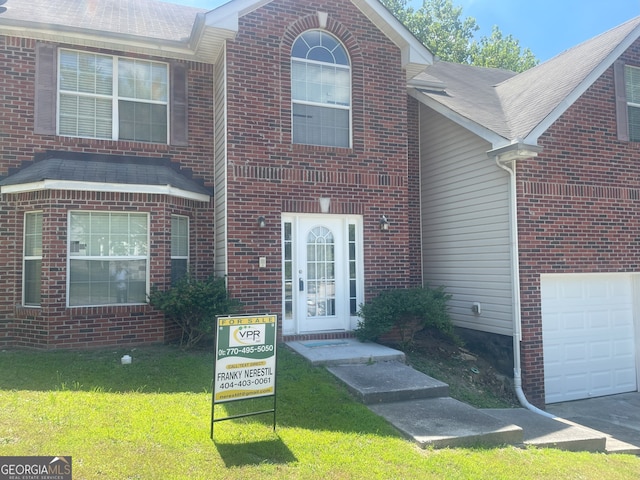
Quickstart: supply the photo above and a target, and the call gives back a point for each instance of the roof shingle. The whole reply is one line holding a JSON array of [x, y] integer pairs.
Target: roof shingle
[[513, 105], [144, 18], [107, 169]]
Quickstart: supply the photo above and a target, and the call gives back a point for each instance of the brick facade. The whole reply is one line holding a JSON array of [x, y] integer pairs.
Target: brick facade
[[266, 176], [577, 208], [269, 175], [53, 325]]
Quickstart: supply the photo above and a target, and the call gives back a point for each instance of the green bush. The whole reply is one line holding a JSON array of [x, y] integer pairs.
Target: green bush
[[193, 305], [409, 310]]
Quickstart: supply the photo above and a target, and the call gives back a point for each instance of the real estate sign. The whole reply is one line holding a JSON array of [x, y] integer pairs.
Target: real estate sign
[[245, 358]]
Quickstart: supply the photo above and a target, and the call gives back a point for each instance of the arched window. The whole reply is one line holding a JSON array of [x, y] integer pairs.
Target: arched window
[[320, 90]]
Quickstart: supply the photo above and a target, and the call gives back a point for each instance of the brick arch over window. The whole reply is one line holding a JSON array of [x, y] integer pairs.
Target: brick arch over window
[[338, 30]]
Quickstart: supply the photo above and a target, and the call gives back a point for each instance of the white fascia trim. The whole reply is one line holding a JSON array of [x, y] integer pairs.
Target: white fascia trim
[[225, 17], [490, 136], [104, 187], [543, 126], [413, 52]]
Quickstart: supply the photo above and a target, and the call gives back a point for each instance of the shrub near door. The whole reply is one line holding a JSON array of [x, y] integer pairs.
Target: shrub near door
[[193, 305], [406, 310]]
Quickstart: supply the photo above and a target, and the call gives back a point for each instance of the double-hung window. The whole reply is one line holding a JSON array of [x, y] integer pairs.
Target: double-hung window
[[108, 258], [107, 97], [320, 90], [32, 267], [179, 247], [632, 88]]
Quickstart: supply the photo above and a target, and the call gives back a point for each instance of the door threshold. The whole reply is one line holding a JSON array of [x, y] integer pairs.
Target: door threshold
[[319, 336]]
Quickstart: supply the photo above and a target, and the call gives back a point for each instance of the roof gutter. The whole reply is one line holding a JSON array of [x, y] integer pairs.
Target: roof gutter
[[506, 158]]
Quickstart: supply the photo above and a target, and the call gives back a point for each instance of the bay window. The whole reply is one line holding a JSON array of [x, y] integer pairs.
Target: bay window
[[179, 247], [32, 261], [108, 258]]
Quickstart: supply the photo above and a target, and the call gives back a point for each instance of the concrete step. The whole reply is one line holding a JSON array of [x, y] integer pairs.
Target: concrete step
[[388, 382], [345, 351], [378, 377], [446, 422], [543, 432]]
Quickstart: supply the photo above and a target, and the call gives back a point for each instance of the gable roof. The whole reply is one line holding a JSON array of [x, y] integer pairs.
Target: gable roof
[[520, 107], [174, 31], [415, 56]]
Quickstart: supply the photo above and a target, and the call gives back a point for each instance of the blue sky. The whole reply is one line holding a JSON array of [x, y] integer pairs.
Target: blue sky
[[546, 27]]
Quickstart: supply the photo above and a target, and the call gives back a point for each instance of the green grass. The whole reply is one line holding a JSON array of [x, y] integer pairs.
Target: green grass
[[151, 419]]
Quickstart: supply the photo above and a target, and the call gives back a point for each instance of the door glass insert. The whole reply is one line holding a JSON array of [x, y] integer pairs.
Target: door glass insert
[[353, 276], [288, 272], [321, 278]]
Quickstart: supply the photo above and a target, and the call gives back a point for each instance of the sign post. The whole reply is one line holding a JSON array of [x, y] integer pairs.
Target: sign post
[[245, 362]]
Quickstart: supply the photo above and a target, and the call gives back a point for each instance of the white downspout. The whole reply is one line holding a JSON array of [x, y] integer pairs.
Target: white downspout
[[515, 276]]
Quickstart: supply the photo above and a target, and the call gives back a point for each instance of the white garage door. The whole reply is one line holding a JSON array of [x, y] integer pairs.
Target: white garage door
[[588, 335]]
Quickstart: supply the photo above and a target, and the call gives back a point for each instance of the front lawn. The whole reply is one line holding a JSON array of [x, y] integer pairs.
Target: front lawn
[[150, 420]]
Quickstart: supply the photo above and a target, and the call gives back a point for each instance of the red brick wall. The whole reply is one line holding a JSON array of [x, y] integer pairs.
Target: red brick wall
[[577, 208], [269, 175], [54, 325]]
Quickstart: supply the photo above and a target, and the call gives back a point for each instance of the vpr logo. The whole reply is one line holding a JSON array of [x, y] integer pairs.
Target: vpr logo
[[244, 335]]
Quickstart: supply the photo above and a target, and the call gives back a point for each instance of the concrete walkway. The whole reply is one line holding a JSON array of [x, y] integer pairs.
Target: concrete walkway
[[616, 416], [420, 407]]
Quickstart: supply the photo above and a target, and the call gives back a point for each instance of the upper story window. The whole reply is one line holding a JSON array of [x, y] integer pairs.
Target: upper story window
[[632, 88], [101, 96], [320, 90]]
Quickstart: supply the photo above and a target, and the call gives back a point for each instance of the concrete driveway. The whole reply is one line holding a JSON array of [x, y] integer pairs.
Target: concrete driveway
[[617, 416]]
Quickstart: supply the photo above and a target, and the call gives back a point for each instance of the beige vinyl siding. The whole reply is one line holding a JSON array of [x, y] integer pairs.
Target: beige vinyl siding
[[220, 188], [465, 224]]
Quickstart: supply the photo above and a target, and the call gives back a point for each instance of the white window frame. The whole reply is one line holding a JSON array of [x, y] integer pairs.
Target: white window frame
[[114, 96], [336, 106], [34, 257], [72, 256], [186, 237], [631, 104]]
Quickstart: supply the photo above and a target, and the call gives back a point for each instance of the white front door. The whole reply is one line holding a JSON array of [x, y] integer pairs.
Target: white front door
[[322, 272]]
